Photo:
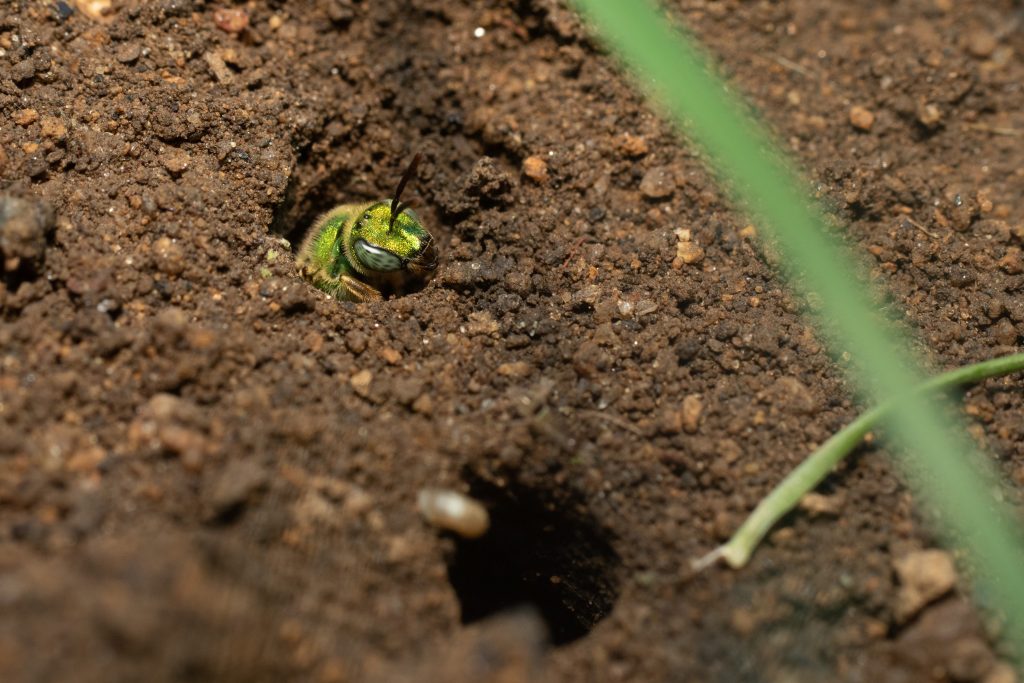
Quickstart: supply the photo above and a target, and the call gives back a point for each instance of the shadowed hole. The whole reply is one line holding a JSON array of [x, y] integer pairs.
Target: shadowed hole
[[555, 557]]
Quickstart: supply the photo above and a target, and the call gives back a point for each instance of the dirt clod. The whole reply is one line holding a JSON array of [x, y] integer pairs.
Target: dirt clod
[[861, 118], [25, 227], [981, 43], [536, 169], [924, 576], [175, 160], [26, 117], [658, 182]]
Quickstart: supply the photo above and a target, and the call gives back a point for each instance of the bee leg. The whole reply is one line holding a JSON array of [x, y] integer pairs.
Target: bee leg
[[358, 290]]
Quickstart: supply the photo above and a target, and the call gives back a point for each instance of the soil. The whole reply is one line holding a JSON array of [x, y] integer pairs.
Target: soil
[[208, 469]]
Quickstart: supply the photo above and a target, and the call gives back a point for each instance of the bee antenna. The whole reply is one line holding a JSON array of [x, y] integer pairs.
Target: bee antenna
[[396, 205]]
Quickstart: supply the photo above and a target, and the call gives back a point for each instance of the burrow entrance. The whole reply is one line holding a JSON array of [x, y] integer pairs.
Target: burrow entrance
[[552, 556]]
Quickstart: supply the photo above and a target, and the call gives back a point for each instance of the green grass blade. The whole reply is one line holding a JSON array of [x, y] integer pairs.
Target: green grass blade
[[671, 70]]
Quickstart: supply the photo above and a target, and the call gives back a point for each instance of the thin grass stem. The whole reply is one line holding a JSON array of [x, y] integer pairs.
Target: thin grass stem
[[737, 550]]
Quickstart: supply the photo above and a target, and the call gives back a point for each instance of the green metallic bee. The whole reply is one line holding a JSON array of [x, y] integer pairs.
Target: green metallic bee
[[363, 252]]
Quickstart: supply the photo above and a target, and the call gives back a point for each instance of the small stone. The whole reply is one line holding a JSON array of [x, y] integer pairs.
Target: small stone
[[981, 44], [53, 127], [536, 169], [231, 19], [218, 68], [861, 118], [924, 575], [1004, 332], [424, 405], [929, 115], [356, 341], [693, 408], [516, 370], [970, 659], [658, 183], [817, 504], [23, 71], [633, 145], [95, 9], [169, 256], [175, 161], [360, 382], [25, 117], [687, 253], [127, 53], [86, 460], [389, 355], [792, 396], [234, 486]]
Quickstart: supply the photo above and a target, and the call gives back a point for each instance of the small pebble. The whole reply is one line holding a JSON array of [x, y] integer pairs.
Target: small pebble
[[231, 19], [817, 504], [516, 370], [981, 44], [95, 9], [218, 68], [360, 382], [633, 145], [687, 253], [1004, 332], [389, 355], [169, 256], [536, 169], [127, 53], [233, 487], [453, 511], [658, 183], [929, 115], [861, 118], [924, 576], [693, 408], [970, 659]]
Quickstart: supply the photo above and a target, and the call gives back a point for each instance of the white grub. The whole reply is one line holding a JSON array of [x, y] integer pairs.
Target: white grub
[[453, 511]]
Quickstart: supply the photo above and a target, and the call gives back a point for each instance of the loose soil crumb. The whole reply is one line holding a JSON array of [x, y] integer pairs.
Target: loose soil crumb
[[208, 469]]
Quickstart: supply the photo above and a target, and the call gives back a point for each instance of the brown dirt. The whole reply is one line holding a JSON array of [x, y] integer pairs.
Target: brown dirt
[[191, 487]]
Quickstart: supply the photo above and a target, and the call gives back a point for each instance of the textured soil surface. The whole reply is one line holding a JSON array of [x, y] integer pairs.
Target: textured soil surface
[[208, 469]]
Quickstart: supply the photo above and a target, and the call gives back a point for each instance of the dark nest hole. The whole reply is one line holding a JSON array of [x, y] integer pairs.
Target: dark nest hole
[[550, 555]]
